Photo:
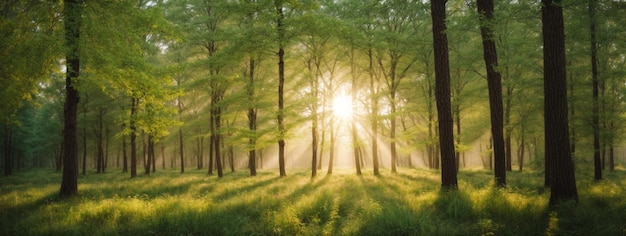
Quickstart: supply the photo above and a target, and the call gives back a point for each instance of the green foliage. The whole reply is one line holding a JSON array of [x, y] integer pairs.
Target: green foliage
[[407, 203]]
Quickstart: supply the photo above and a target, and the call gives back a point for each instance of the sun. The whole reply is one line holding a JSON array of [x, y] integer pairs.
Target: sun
[[342, 107]]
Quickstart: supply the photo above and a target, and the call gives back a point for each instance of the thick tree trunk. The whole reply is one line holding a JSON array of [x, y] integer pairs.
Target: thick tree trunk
[[494, 83], [73, 14], [442, 95], [557, 147]]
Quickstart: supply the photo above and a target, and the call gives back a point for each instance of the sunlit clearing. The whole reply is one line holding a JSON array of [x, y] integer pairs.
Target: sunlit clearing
[[342, 107]]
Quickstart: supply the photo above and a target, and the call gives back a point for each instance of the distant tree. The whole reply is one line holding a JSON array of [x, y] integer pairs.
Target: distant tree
[[485, 10], [442, 95], [73, 20], [559, 164]]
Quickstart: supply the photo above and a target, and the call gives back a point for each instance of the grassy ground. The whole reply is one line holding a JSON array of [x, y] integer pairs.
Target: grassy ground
[[405, 203]]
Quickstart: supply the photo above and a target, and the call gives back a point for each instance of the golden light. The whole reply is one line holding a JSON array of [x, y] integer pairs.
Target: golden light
[[342, 107]]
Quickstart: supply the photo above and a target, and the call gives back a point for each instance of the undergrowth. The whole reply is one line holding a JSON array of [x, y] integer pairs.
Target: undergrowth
[[409, 202]]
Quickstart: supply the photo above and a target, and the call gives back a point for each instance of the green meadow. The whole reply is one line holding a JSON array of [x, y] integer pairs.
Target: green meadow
[[405, 203]]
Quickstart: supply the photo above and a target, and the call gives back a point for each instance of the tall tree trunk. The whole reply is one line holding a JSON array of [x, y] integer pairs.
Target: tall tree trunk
[[216, 135], [353, 128], [181, 145], [281, 87], [314, 123], [494, 83], [557, 148], [252, 119], [73, 14], [392, 132], [442, 95], [133, 137], [373, 113], [595, 81]]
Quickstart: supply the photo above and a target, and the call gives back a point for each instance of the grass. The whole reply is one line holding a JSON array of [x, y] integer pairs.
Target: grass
[[406, 203]]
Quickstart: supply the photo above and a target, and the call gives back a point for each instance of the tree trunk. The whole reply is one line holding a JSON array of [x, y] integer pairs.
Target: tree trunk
[[494, 83], [125, 156], [373, 113], [252, 119], [595, 81], [442, 95], [216, 135], [73, 14], [281, 87], [557, 147], [133, 137], [355, 138]]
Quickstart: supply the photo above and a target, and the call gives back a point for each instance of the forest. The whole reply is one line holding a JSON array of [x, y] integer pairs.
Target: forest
[[424, 113]]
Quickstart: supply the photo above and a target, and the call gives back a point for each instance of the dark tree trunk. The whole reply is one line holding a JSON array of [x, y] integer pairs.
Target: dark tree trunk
[[314, 124], [148, 150], [252, 119], [216, 136], [73, 14], [133, 137], [125, 156], [442, 95], [557, 147], [595, 81], [281, 87], [494, 83]]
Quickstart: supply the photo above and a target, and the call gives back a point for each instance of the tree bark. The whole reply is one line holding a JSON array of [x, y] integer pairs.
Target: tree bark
[[281, 87], [559, 161], [494, 83], [252, 119], [597, 164], [442, 95], [133, 137], [73, 14]]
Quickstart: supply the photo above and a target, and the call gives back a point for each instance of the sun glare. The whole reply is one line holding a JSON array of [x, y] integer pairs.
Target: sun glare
[[342, 107]]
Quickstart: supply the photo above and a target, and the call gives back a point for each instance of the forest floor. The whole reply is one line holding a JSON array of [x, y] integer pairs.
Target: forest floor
[[405, 203]]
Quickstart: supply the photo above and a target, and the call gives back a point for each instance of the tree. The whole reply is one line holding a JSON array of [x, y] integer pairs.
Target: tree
[[597, 162], [559, 163], [442, 95], [280, 27], [485, 10], [73, 21]]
